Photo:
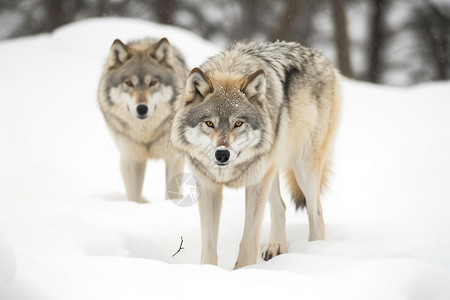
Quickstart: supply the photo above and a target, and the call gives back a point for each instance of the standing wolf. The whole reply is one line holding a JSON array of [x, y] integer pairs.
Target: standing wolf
[[247, 114], [136, 95]]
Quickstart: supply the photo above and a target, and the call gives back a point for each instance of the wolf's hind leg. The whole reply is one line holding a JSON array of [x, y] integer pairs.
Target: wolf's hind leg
[[277, 238], [308, 177], [174, 167], [133, 176]]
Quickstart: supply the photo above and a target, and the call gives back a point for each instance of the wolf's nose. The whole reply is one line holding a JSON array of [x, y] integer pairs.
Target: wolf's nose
[[142, 110], [222, 156]]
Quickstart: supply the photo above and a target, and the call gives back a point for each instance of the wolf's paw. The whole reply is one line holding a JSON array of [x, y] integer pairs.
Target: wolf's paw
[[174, 196], [142, 200], [273, 249], [239, 265]]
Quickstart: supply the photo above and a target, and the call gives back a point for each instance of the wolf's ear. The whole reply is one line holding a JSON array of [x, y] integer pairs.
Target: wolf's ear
[[254, 85], [119, 53], [163, 51], [198, 84]]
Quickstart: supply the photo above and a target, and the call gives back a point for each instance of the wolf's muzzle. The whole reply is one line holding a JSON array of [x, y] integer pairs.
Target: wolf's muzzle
[[222, 157], [142, 111]]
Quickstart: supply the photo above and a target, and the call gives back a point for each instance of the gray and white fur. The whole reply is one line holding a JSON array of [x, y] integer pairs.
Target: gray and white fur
[[136, 94], [248, 114]]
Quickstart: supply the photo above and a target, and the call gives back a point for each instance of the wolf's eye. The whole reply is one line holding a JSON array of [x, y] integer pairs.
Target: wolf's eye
[[129, 83], [153, 82], [238, 124], [209, 124]]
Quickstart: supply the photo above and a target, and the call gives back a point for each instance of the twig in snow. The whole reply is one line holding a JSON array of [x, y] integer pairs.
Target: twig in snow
[[181, 244]]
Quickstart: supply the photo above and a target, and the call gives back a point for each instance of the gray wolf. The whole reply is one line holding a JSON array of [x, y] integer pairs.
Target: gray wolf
[[136, 93], [245, 116]]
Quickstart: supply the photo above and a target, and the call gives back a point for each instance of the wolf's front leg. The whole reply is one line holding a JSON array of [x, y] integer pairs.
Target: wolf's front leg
[[174, 167], [209, 204], [255, 202], [133, 176]]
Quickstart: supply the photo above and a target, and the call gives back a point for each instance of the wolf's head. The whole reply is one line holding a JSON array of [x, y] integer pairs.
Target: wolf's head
[[223, 118], [140, 76]]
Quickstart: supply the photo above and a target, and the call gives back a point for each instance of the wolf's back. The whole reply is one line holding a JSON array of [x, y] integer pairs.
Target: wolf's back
[[280, 57]]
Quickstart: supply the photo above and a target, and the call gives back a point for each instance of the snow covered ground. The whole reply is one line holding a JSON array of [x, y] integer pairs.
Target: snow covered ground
[[67, 231]]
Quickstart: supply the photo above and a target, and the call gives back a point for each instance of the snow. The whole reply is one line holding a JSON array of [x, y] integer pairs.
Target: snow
[[67, 231]]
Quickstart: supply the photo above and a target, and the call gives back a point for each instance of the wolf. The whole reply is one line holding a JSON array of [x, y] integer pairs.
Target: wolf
[[247, 115], [136, 93]]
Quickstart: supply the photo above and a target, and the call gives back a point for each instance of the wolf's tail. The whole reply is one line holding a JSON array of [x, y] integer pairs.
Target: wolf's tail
[[296, 192]]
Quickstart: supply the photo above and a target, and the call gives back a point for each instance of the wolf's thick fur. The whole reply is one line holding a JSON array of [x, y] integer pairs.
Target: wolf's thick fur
[[269, 107], [145, 73]]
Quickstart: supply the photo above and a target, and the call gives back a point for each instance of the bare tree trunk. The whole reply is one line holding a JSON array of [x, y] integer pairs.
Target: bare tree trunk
[[59, 14], [376, 42], [444, 59], [55, 14], [250, 8], [438, 30], [102, 8], [341, 37], [284, 29], [304, 29], [164, 10]]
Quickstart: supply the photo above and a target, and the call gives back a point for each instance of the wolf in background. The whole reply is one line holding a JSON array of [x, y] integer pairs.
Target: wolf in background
[[136, 93], [262, 108]]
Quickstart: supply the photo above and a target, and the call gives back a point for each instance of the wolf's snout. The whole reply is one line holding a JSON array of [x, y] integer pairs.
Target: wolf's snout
[[142, 110], [222, 156]]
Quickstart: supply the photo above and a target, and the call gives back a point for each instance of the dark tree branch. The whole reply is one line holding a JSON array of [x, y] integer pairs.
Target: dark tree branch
[[179, 249]]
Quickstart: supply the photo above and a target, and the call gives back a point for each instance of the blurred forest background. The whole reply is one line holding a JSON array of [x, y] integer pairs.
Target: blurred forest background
[[399, 42]]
